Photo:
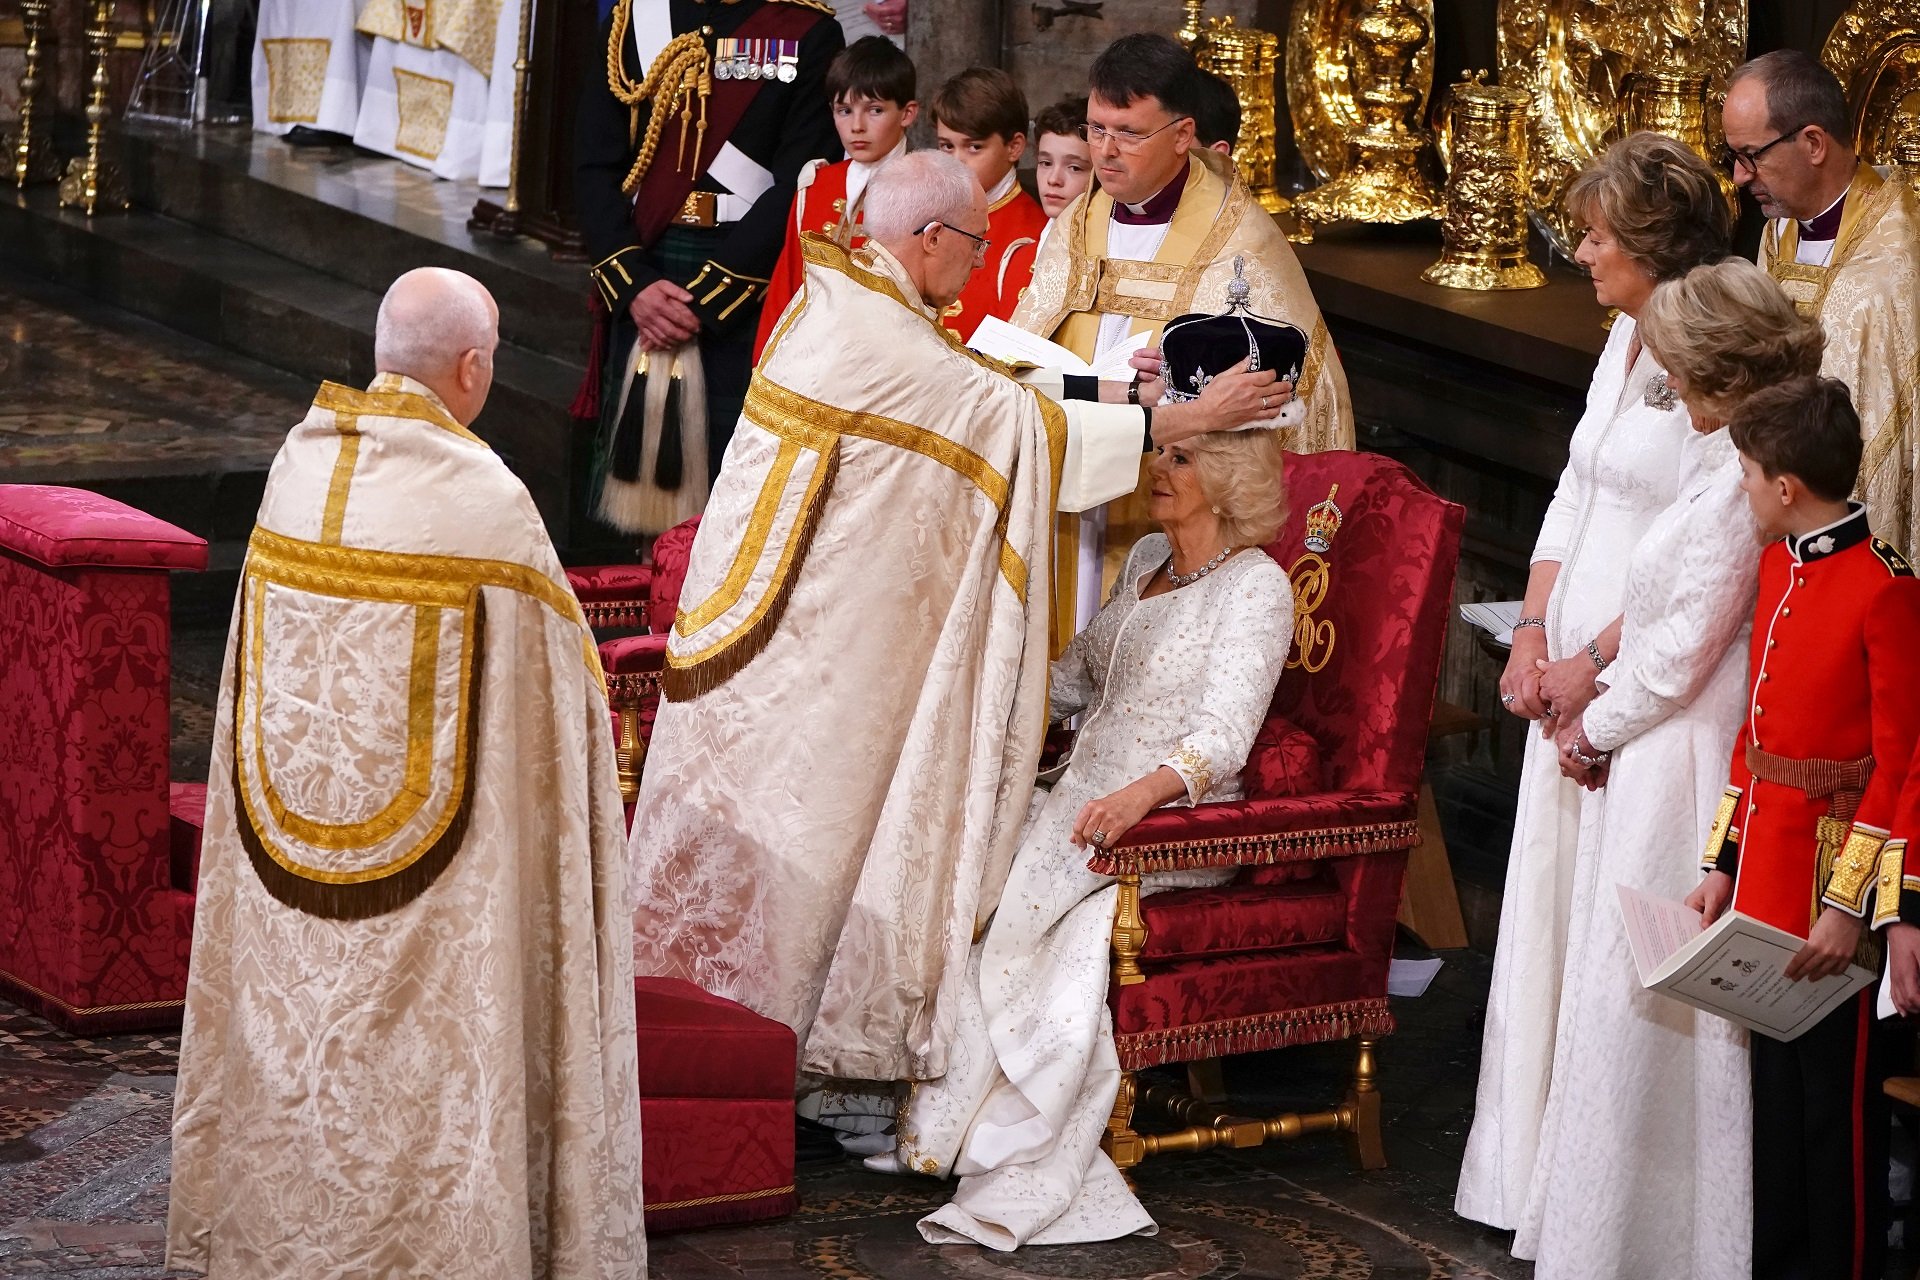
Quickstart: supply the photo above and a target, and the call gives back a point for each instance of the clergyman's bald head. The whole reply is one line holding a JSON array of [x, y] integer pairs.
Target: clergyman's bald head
[[440, 327]]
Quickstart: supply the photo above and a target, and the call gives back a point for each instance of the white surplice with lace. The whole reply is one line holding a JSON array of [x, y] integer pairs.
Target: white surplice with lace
[[1184, 680], [1623, 470], [1645, 1164]]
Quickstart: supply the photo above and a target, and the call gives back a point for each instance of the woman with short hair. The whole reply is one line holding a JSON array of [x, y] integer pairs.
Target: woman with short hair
[[1653, 210], [1172, 680], [1645, 1160]]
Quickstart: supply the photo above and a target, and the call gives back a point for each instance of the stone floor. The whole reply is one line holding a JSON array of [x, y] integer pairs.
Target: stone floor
[[84, 1150]]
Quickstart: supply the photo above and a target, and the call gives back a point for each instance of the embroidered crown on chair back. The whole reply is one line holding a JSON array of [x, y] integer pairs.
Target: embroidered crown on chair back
[[1370, 551]]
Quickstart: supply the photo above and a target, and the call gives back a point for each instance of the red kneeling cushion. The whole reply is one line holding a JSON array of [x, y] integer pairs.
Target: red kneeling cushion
[[696, 1045], [63, 527]]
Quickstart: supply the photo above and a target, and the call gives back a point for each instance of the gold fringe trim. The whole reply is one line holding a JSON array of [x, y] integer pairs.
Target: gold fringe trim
[[685, 683], [732, 1197], [1261, 850], [1255, 1033], [366, 899]]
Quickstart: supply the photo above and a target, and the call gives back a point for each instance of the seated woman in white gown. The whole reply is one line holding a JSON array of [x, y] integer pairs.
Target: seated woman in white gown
[[1172, 680]]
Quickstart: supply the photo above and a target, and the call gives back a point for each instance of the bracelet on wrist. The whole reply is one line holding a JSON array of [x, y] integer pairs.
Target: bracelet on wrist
[[1133, 391], [1593, 652]]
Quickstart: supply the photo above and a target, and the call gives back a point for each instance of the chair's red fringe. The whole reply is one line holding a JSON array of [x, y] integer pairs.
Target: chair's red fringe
[[1140, 1049], [1262, 849], [615, 613], [633, 684]]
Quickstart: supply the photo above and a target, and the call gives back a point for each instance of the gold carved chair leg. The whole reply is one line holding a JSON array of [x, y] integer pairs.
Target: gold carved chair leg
[[1122, 1145], [1362, 1122], [629, 753]]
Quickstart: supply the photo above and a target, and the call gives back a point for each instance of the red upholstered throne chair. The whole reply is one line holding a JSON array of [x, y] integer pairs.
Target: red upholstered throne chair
[[96, 910], [633, 663], [1295, 949]]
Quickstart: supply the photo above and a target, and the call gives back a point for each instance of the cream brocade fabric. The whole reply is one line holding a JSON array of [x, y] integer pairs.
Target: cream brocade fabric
[[1868, 301], [822, 831], [1183, 680], [468, 27], [409, 1039], [425, 106], [296, 78]]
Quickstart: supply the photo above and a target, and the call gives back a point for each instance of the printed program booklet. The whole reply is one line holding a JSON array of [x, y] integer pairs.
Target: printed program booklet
[[1731, 967]]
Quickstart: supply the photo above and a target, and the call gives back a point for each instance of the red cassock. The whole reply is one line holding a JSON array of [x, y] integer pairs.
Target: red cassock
[[1014, 223], [1832, 717], [819, 205]]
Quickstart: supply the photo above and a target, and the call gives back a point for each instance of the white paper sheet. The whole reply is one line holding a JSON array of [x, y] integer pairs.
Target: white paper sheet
[[1411, 978]]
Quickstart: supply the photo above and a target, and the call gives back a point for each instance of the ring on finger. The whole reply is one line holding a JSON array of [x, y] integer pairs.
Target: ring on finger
[[1100, 837], [1507, 699]]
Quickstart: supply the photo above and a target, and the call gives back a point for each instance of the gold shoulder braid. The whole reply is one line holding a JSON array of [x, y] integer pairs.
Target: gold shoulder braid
[[680, 76]]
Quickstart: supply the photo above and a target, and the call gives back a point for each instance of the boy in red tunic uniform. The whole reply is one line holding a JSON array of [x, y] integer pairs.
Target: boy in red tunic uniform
[[1817, 771], [871, 86], [981, 116]]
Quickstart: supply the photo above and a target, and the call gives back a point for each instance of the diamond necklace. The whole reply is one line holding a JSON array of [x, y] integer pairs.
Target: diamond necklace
[[1184, 579]]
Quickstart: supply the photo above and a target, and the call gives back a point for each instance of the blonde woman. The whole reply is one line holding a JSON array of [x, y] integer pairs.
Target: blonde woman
[[1173, 679], [1653, 211], [1644, 1167]]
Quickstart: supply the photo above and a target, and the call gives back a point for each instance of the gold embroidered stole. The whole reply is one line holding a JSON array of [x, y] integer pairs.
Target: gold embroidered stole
[[1868, 200]]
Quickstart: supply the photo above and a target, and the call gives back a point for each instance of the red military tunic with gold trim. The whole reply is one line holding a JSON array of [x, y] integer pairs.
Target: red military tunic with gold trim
[[820, 205], [1832, 713], [1014, 224]]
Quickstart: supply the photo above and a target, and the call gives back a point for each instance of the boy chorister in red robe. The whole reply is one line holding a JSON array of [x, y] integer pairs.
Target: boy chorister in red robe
[[871, 86], [981, 116], [1833, 713]]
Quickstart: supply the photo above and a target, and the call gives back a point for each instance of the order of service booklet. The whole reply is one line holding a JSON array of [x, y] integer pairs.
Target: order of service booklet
[[1732, 967]]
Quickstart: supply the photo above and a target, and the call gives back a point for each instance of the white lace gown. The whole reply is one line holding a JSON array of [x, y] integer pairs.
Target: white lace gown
[[1182, 679], [1645, 1161], [1623, 470]]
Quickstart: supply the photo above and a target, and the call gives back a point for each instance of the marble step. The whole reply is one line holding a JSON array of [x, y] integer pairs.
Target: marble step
[[353, 218], [302, 320]]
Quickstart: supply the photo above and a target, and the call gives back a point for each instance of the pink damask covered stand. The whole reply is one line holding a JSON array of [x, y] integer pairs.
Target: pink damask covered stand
[[94, 924]]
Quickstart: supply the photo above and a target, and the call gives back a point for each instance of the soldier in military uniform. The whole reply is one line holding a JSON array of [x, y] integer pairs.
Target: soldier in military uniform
[[691, 137], [1799, 843]]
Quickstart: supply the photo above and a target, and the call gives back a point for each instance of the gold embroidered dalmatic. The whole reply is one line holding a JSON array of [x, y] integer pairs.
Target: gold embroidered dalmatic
[[467, 27], [409, 1042], [1867, 298], [856, 684], [1218, 220]]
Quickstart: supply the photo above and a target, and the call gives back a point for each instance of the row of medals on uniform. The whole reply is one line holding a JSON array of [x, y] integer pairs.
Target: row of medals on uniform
[[736, 59]]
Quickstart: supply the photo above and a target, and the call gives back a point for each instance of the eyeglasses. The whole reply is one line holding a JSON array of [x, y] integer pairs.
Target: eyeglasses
[[1125, 139], [980, 243], [1731, 160]]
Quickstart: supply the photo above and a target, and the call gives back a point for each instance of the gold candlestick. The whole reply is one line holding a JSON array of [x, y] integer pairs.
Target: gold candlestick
[[1247, 60], [509, 223], [1193, 28], [93, 183], [29, 145], [1386, 179], [1674, 100], [1484, 234]]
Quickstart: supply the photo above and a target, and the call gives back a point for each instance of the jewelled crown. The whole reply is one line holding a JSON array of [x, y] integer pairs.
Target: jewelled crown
[[1196, 348], [1323, 521]]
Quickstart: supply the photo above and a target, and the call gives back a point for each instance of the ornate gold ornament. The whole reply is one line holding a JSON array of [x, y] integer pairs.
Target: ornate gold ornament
[[93, 183], [1874, 49], [1906, 148], [1676, 101], [1248, 60], [1321, 93], [29, 145], [1387, 178], [1191, 30], [1484, 234], [1573, 57]]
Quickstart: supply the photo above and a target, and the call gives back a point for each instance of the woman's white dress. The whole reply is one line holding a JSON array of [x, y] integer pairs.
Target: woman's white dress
[[1623, 470], [1182, 679], [1645, 1161]]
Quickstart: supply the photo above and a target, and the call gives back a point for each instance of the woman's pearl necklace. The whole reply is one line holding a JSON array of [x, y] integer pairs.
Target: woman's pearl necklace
[[1185, 579]]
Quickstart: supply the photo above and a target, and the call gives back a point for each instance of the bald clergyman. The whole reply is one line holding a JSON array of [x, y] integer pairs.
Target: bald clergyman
[[857, 679], [409, 1044]]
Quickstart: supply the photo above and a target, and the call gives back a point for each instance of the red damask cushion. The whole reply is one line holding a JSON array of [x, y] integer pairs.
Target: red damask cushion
[[1284, 761], [1189, 923], [709, 1161], [671, 552], [696, 1045], [633, 655], [64, 527], [598, 582]]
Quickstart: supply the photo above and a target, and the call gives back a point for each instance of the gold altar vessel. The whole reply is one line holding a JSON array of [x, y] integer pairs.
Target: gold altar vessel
[[1484, 233], [1676, 101], [1387, 178], [1247, 59], [1573, 59], [1195, 25], [1874, 50], [1321, 84]]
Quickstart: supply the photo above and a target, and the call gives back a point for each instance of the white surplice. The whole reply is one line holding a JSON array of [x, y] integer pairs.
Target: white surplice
[[308, 66], [1623, 470], [443, 107], [1184, 680], [1645, 1162]]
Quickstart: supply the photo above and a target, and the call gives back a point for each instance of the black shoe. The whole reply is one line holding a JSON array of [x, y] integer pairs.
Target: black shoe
[[301, 136]]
